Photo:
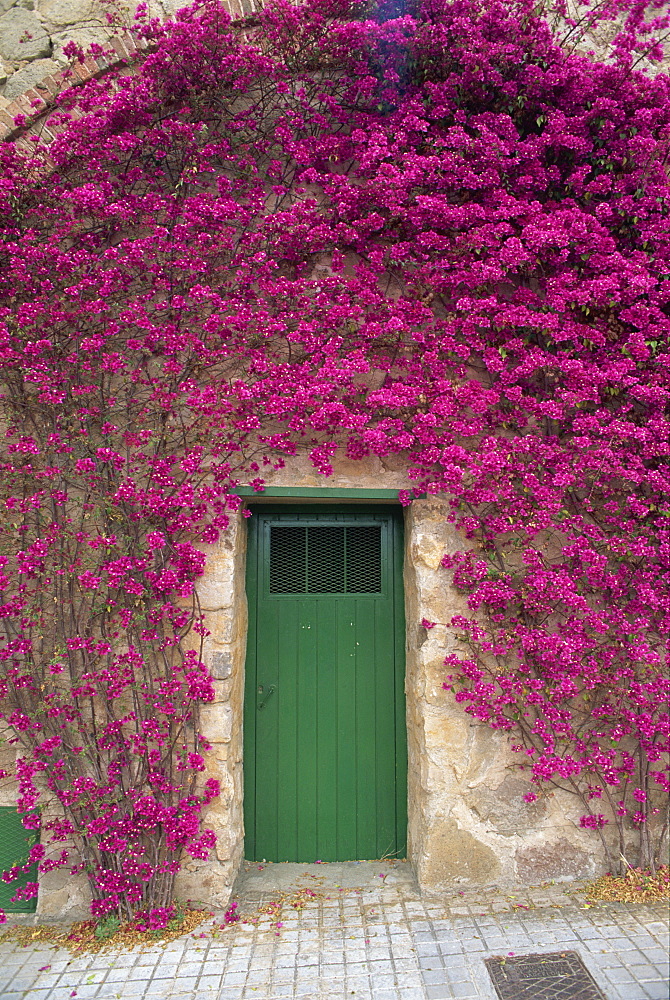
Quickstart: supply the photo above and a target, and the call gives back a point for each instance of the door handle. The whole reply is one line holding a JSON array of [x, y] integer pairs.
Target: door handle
[[268, 694]]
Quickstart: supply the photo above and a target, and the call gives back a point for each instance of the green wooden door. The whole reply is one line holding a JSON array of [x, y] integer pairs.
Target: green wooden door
[[325, 737]]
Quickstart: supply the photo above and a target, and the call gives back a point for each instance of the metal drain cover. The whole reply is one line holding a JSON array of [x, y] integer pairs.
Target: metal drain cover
[[556, 976]]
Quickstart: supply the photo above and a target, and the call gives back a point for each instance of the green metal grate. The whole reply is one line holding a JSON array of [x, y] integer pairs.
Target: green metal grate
[[325, 559], [15, 843]]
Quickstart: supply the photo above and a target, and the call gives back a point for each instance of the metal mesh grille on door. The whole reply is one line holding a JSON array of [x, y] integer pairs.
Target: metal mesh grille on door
[[325, 559], [15, 843], [288, 560]]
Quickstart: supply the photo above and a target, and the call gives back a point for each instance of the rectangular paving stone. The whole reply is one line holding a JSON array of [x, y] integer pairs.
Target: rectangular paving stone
[[188, 968], [588, 931], [427, 948], [156, 991], [430, 962], [656, 991], [124, 961], [433, 977], [449, 948], [258, 977], [135, 988], [380, 967], [117, 975], [618, 975], [446, 993], [377, 953], [209, 980], [654, 954], [139, 973], [161, 974], [280, 991], [383, 980], [405, 964], [234, 978], [457, 978], [642, 972], [356, 983], [149, 957], [185, 983]]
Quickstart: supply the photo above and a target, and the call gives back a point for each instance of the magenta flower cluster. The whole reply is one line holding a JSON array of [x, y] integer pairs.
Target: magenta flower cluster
[[437, 234]]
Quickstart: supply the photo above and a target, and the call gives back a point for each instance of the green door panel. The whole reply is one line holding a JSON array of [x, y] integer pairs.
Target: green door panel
[[15, 844], [325, 743]]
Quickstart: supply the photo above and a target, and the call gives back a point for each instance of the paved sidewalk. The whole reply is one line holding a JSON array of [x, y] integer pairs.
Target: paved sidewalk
[[362, 932]]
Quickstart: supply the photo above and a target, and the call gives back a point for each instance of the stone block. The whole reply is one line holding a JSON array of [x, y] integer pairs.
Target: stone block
[[428, 550], [58, 14], [63, 895], [83, 36], [447, 736], [208, 882], [228, 625], [548, 860], [221, 665], [454, 856], [503, 808], [22, 36], [216, 723], [216, 587], [28, 77]]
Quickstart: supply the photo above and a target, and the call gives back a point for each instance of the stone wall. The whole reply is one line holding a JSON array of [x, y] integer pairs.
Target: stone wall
[[468, 824], [34, 32], [467, 821]]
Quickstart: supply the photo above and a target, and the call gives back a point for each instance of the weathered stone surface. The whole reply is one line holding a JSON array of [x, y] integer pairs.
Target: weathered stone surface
[[216, 722], [503, 808], [63, 895], [227, 625], [221, 665], [455, 856], [7, 763], [216, 589], [27, 77], [22, 36], [428, 549], [83, 36], [60, 13], [207, 883], [557, 859]]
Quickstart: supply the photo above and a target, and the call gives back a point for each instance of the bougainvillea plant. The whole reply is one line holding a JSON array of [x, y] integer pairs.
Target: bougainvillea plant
[[432, 231]]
